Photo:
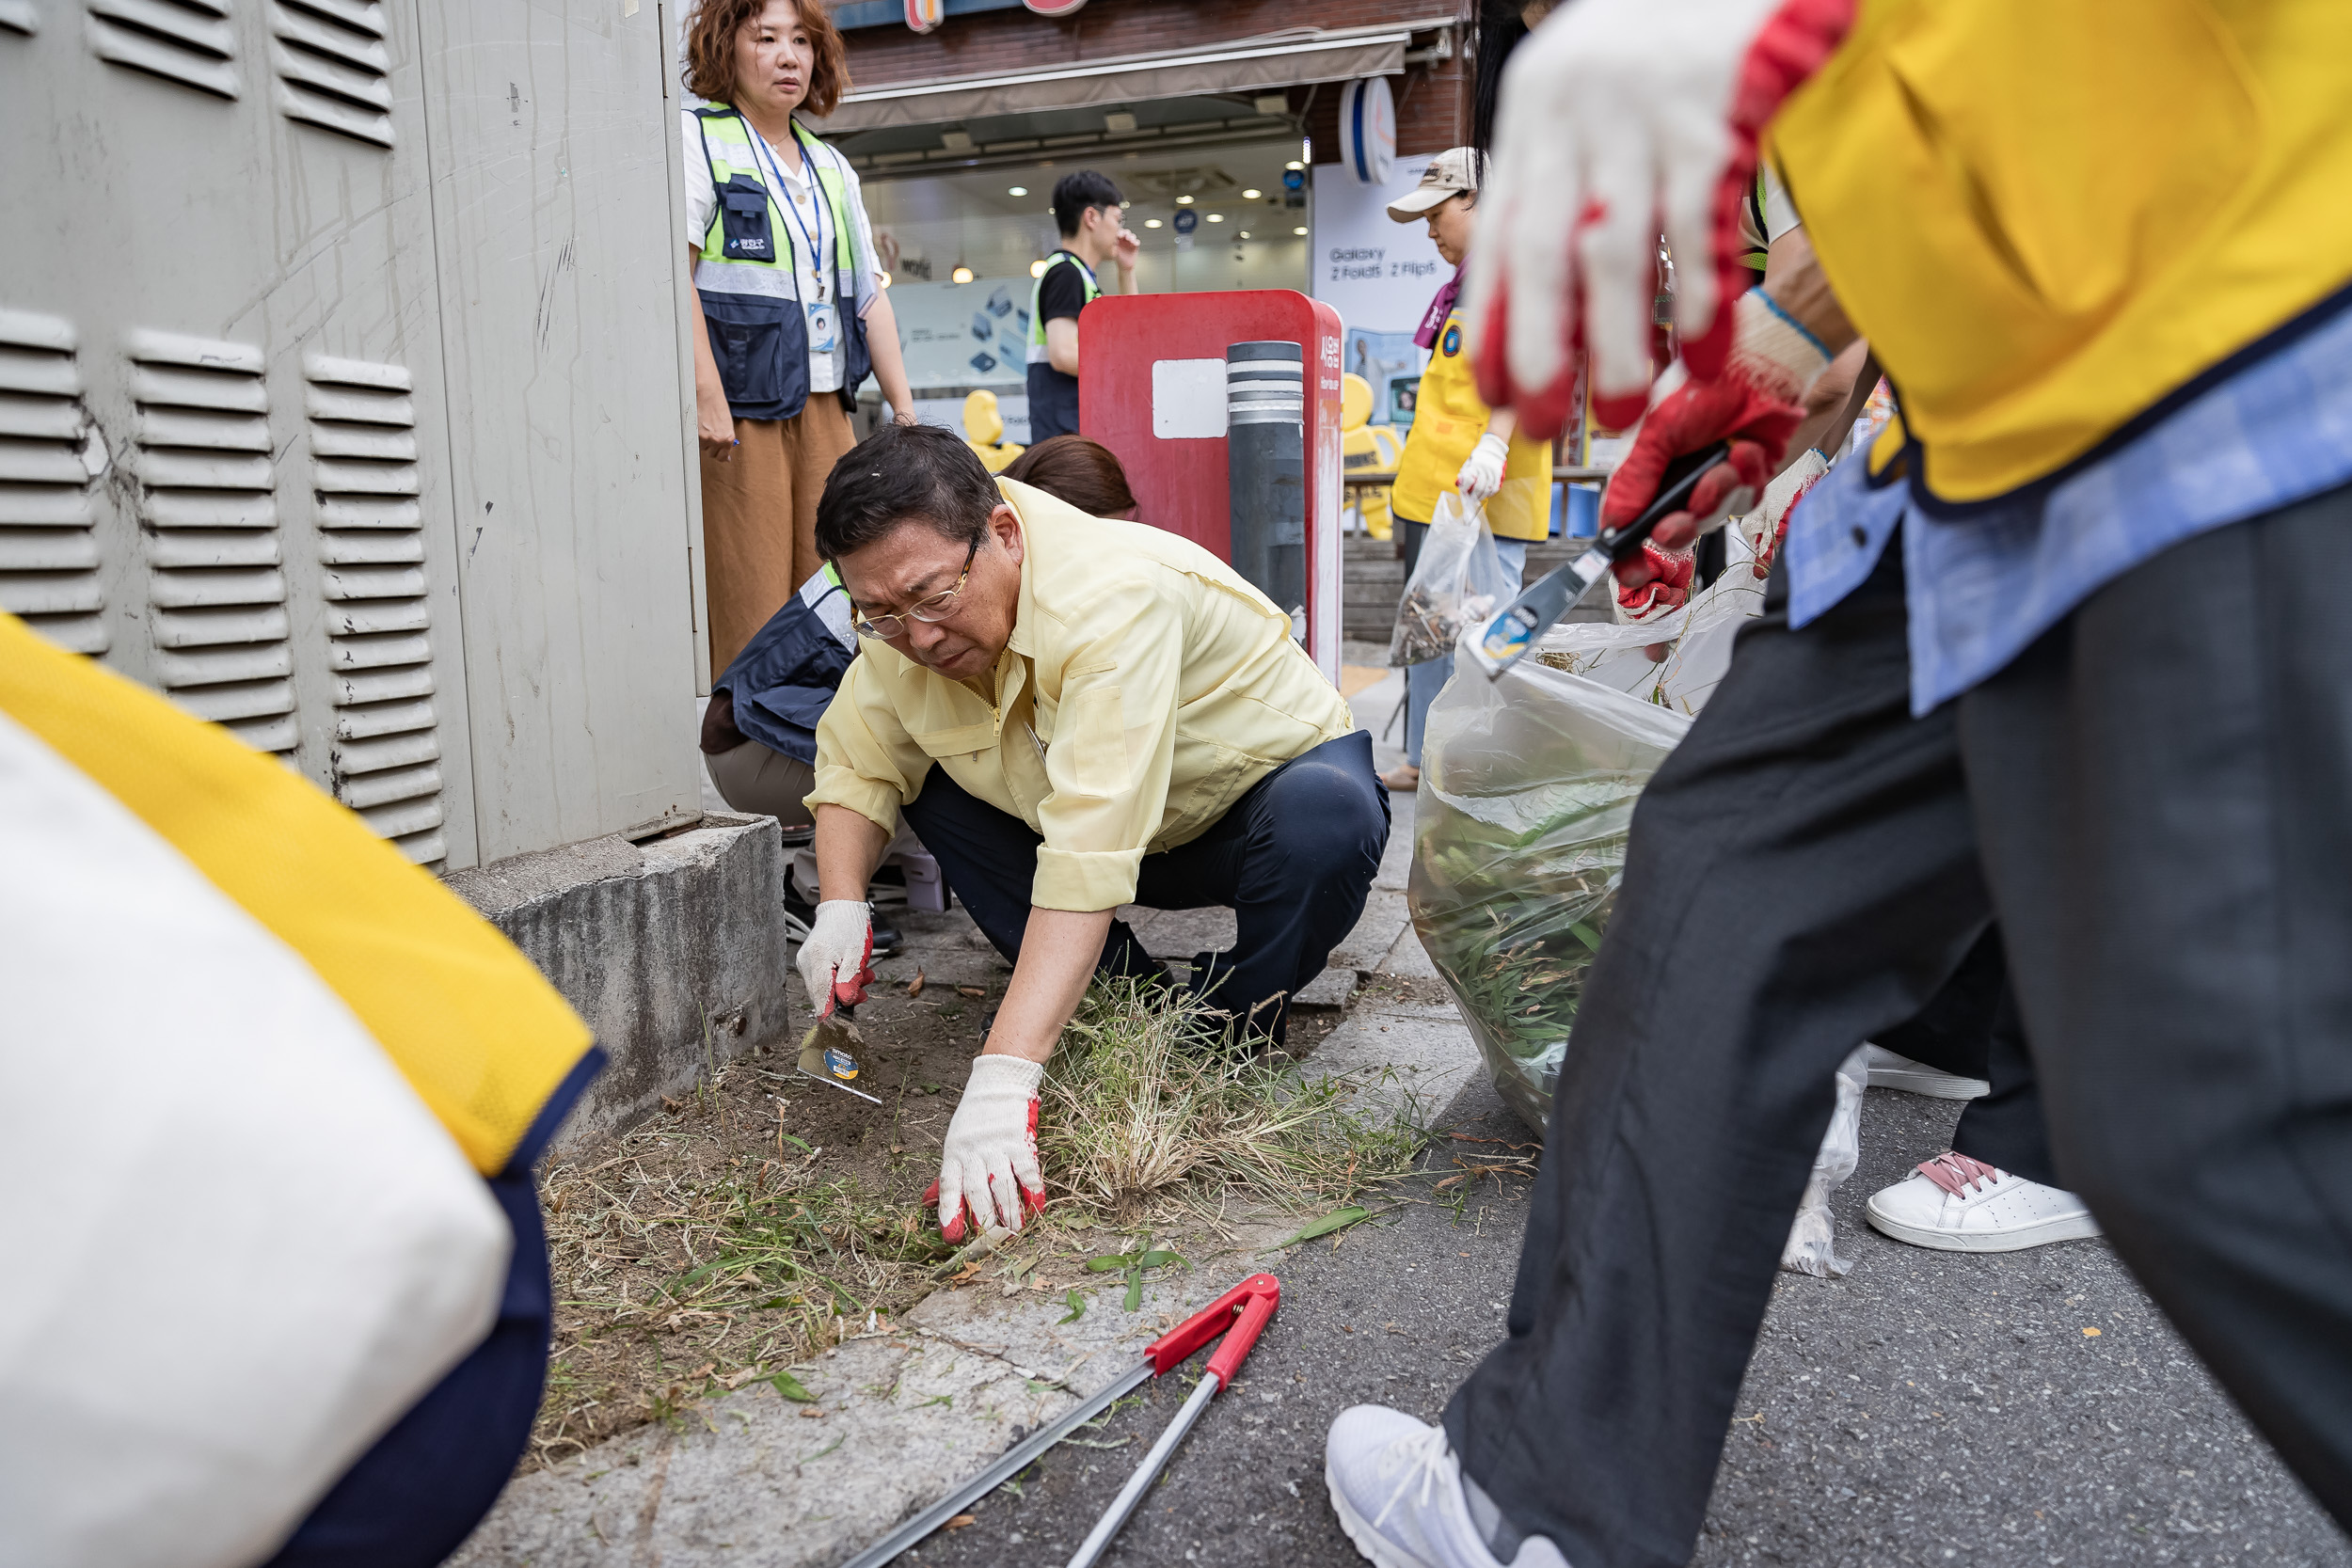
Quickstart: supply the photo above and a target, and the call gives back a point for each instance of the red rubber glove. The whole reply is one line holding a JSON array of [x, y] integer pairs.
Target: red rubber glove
[[1618, 119], [1664, 588], [1755, 405]]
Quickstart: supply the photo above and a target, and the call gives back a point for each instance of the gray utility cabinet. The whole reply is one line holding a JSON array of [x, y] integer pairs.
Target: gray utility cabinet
[[342, 395]]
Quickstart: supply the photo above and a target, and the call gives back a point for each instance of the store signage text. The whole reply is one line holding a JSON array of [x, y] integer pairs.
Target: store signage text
[[1360, 263]]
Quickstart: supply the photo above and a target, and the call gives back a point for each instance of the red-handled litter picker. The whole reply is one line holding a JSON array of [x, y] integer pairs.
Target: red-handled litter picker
[[1254, 1299], [1239, 1315]]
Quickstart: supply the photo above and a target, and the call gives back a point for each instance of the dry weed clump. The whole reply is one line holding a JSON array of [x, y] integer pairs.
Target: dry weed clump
[[1143, 1101], [690, 1260]]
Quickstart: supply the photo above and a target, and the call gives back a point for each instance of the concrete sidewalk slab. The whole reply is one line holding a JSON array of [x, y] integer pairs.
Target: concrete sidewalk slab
[[1406, 1054], [754, 1479], [1366, 948], [1333, 988]]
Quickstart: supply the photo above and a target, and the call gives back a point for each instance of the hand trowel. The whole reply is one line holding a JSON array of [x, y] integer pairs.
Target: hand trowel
[[829, 1050], [1511, 635]]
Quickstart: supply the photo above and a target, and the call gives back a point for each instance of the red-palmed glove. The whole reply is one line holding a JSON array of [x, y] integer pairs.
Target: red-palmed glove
[[1663, 590], [836, 959], [1756, 405], [1618, 119], [987, 1165]]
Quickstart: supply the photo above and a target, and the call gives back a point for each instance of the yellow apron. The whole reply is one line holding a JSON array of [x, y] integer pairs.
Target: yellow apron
[[2046, 218], [1448, 420]]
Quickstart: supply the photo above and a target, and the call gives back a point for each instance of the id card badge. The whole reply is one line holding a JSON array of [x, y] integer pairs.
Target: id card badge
[[743, 207], [824, 329]]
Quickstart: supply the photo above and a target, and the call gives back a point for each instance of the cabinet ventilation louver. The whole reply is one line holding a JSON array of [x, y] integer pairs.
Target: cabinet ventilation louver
[[49, 454], [182, 40], [209, 518], [333, 69], [385, 753]]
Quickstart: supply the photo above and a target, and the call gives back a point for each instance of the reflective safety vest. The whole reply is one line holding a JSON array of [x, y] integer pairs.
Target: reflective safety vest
[[473, 1027], [2052, 220], [1448, 420], [749, 284], [1036, 322]]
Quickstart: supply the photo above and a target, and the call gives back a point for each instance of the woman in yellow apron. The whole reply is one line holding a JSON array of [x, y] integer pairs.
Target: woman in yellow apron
[[1458, 442]]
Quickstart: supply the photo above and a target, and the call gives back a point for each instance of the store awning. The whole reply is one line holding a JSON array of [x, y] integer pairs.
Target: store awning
[[1241, 64]]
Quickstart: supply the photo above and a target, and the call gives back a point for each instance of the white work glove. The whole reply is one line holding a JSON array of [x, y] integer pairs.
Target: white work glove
[[1768, 525], [1482, 471], [1618, 118], [836, 961], [989, 1163]]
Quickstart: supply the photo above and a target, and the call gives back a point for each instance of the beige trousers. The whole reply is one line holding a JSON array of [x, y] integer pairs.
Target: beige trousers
[[760, 518], [752, 778]]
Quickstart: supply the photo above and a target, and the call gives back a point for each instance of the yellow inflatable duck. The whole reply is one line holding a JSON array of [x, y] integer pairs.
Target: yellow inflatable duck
[[984, 432], [1363, 448]]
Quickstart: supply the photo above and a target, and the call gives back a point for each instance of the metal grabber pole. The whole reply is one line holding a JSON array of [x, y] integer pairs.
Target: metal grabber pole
[[1246, 1306]]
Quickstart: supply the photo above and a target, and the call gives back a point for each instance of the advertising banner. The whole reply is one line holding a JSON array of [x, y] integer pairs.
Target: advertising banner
[[1380, 275], [972, 334]]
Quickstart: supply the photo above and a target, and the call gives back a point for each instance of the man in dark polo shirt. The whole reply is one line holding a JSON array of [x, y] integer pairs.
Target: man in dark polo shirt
[[1086, 211]]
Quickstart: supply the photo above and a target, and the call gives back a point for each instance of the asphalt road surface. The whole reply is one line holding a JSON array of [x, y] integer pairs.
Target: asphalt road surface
[[1929, 1408]]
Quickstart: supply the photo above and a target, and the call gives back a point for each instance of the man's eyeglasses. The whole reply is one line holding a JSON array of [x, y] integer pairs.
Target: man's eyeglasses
[[937, 608]]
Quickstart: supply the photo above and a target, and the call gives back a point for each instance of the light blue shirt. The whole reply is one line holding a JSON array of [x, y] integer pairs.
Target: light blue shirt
[[1981, 587]]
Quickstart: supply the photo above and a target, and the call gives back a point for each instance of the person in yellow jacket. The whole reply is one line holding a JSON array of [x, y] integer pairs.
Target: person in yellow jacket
[[1075, 713], [2062, 654], [1456, 442], [253, 1053]]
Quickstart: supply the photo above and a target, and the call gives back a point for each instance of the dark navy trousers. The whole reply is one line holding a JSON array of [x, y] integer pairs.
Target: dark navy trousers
[[1294, 856]]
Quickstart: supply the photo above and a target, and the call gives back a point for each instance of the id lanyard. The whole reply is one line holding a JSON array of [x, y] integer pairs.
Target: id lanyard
[[819, 256]]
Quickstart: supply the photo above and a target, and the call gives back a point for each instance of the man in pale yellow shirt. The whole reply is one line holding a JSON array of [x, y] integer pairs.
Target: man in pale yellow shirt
[[1074, 714]]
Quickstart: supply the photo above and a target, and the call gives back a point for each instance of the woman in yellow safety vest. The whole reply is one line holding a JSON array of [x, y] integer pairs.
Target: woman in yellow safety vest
[[789, 310], [1457, 441]]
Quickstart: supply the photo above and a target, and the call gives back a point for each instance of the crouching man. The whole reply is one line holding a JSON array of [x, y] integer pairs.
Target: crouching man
[[1073, 714]]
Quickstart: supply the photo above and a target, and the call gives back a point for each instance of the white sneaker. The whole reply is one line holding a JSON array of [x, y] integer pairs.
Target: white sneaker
[[1397, 1489], [1890, 1071], [1956, 1204]]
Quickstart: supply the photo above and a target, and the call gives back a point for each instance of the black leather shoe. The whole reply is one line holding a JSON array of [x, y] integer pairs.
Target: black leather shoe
[[886, 938]]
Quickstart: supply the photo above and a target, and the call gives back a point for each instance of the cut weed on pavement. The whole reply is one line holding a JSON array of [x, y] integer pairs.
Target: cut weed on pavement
[[760, 1221]]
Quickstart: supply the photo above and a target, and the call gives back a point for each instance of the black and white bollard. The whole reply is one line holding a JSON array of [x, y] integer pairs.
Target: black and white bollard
[[1265, 402]]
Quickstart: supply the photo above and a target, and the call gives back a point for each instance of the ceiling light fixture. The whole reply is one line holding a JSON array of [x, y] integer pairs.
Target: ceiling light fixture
[[962, 275], [1185, 200], [1216, 217], [1017, 190], [884, 278], [1294, 163], [1242, 235], [1300, 232], [1150, 223], [1037, 268], [1252, 193]]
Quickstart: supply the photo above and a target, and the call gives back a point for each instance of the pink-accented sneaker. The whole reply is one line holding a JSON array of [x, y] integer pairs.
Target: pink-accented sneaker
[[1955, 1204]]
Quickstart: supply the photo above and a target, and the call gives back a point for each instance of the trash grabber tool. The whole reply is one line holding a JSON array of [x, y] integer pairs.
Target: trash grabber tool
[[1510, 636], [1247, 1306], [1243, 1309]]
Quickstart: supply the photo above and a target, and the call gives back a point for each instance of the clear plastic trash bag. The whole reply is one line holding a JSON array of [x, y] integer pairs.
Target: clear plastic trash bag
[[1527, 788], [1457, 581], [1812, 1245], [1527, 792]]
